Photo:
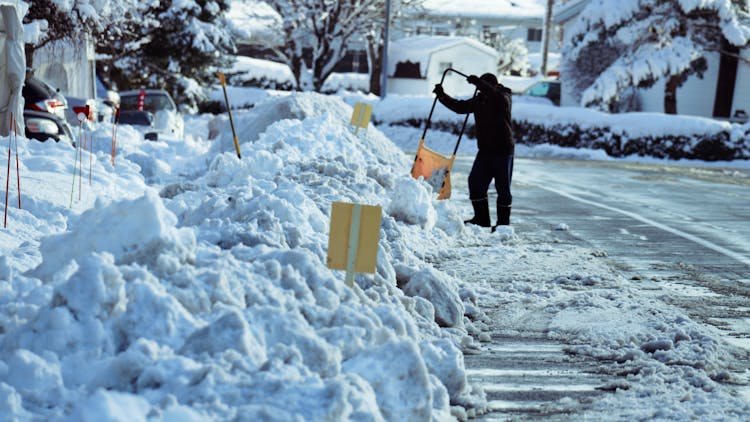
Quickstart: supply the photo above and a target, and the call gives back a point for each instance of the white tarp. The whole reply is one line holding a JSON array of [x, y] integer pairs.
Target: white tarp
[[68, 66], [12, 66]]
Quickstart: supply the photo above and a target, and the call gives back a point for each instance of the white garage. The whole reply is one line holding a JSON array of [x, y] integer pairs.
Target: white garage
[[416, 64]]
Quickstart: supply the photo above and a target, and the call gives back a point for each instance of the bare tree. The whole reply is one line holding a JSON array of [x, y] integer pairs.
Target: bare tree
[[317, 34], [373, 34]]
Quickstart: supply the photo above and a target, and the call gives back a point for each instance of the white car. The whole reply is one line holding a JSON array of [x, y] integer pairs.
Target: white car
[[167, 119]]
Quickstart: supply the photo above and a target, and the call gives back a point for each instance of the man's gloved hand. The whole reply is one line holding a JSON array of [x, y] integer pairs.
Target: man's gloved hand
[[472, 79], [438, 90]]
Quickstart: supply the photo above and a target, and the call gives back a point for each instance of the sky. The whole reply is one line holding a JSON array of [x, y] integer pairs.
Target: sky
[[183, 283]]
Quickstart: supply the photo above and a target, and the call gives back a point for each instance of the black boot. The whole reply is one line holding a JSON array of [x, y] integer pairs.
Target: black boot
[[503, 216], [481, 213]]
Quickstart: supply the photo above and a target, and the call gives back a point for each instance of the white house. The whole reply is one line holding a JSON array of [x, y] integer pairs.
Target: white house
[[723, 92], [416, 64]]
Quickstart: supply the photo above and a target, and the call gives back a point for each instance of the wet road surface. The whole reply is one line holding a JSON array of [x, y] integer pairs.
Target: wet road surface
[[681, 233]]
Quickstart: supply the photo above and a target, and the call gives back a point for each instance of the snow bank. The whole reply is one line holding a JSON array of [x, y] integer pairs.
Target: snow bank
[[212, 299]]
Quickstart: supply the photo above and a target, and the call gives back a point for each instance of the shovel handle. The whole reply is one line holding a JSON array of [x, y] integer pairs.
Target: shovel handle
[[434, 102], [460, 135]]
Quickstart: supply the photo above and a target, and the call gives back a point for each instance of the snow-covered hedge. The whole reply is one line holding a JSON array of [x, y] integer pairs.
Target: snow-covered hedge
[[645, 134], [718, 146]]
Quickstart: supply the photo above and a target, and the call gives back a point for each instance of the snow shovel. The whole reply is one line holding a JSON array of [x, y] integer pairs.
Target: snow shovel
[[434, 167]]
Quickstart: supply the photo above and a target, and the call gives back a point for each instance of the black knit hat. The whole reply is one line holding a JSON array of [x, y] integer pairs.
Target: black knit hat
[[489, 78]]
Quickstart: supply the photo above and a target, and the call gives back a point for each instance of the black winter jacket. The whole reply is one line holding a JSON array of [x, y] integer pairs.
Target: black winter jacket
[[491, 107]]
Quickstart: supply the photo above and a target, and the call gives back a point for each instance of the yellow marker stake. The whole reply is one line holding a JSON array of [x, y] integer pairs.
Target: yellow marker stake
[[353, 239], [361, 116], [223, 81]]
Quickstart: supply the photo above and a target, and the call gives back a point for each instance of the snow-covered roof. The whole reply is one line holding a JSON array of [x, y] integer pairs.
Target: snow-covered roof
[[487, 9], [253, 20], [418, 49]]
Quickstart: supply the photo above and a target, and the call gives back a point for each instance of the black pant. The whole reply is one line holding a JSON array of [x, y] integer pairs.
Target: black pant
[[487, 167]]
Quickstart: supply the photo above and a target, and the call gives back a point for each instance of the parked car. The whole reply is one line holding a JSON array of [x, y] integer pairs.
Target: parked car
[[143, 121], [545, 89], [167, 118], [44, 112], [39, 96], [42, 126], [100, 109]]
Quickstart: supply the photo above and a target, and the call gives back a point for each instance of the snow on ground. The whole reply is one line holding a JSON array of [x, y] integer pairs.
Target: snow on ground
[[187, 283], [664, 366]]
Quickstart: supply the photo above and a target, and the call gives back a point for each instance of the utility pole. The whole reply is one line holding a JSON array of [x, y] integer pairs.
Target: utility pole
[[546, 37], [384, 71]]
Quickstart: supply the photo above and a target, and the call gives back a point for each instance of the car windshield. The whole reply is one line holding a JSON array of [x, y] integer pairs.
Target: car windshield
[[538, 89], [153, 102], [141, 118]]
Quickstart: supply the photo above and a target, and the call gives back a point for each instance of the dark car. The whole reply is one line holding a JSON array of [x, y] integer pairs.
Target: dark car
[[44, 112], [545, 89], [39, 96]]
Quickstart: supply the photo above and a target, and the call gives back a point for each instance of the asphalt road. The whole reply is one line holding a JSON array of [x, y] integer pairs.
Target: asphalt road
[[681, 232]]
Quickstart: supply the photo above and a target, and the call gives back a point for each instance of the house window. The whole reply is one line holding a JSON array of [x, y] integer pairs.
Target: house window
[[407, 69], [534, 35], [443, 66]]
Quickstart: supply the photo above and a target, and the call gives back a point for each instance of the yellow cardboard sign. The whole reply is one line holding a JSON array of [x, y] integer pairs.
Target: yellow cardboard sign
[[354, 247], [361, 115]]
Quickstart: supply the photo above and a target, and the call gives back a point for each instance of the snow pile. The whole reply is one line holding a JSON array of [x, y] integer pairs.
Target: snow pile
[[411, 202], [212, 299]]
